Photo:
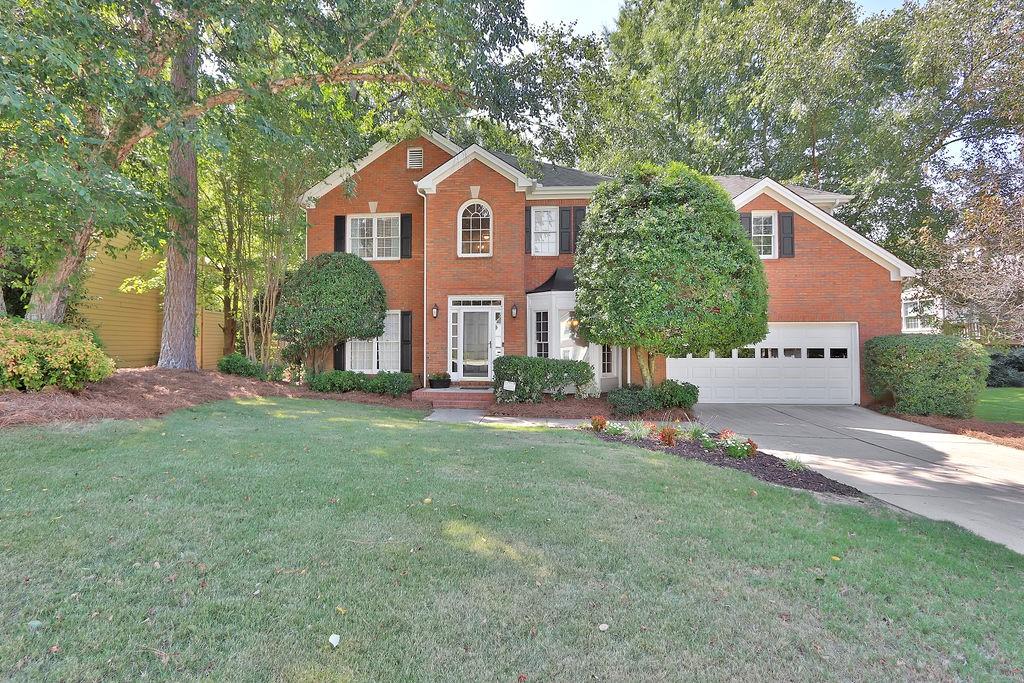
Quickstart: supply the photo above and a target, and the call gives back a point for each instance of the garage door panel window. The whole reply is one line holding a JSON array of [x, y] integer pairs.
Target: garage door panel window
[[792, 353], [769, 353], [815, 353], [838, 353], [745, 352]]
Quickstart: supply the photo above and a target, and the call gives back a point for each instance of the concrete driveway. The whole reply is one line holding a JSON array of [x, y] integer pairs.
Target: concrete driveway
[[973, 483]]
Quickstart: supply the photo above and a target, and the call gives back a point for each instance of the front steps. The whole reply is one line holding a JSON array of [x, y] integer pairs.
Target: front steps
[[472, 399]]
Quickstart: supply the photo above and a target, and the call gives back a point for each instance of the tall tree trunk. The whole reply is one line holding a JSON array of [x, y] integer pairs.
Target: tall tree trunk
[[52, 289], [178, 340], [3, 304], [645, 359], [230, 326]]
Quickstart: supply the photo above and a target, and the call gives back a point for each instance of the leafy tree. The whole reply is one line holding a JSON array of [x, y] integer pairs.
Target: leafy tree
[[85, 83], [663, 267], [330, 298]]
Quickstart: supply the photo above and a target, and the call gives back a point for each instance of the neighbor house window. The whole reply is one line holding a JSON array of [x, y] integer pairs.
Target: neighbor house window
[[540, 334], [607, 360], [544, 231], [915, 314], [475, 229], [762, 233], [375, 237], [383, 354]]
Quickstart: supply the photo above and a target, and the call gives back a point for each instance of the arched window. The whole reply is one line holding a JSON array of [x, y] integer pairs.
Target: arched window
[[475, 229]]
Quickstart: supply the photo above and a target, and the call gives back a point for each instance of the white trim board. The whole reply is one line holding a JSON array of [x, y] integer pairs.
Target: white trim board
[[309, 197], [898, 269], [474, 152]]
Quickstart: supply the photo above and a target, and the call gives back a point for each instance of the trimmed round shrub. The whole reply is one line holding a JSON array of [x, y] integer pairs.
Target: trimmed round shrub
[[238, 364], [389, 383], [926, 374], [330, 298], [340, 381], [38, 355], [1007, 369], [673, 394], [633, 400]]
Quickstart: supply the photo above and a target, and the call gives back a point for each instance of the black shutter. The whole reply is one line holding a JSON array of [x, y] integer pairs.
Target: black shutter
[[745, 223], [787, 247], [406, 235], [339, 233], [565, 230], [406, 341], [339, 356], [579, 213], [529, 237]]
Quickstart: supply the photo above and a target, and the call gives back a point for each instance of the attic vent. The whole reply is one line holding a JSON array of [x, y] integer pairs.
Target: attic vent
[[414, 157]]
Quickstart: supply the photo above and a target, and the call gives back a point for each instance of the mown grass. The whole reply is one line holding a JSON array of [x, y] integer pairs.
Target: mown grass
[[1004, 404], [230, 541]]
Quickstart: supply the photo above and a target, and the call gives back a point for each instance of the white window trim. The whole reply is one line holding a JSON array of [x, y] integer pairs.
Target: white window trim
[[615, 360], [458, 229], [348, 348], [533, 223], [374, 217], [775, 232]]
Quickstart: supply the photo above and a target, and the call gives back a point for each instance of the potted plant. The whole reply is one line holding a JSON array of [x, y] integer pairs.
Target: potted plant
[[440, 380]]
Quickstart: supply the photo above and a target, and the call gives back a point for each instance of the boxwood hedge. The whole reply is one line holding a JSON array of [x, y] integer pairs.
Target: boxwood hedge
[[535, 376], [926, 374]]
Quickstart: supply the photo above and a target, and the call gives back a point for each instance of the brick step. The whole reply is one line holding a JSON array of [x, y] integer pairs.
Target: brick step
[[440, 398]]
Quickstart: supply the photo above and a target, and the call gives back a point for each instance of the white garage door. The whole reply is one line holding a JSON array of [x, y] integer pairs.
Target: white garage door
[[796, 363]]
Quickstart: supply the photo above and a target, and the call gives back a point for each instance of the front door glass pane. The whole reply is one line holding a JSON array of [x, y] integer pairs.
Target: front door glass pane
[[474, 343]]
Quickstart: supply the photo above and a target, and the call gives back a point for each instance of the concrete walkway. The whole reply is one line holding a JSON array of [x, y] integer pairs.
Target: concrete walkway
[[465, 416], [973, 483]]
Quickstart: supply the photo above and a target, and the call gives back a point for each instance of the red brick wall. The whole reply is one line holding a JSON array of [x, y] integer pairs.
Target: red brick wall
[[388, 182], [501, 274]]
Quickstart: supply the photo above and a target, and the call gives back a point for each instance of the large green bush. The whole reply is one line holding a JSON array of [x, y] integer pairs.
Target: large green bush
[[633, 400], [330, 298], [535, 376], [1007, 369], [238, 364], [340, 381], [38, 355], [673, 394], [926, 374], [663, 267]]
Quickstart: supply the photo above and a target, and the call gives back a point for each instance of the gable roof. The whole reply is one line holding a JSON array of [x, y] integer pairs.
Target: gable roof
[[898, 269], [345, 172], [474, 152], [736, 185]]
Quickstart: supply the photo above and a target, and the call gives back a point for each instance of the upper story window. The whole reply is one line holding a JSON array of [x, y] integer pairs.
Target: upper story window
[[544, 231], [375, 237], [763, 228], [918, 314], [475, 229], [414, 157]]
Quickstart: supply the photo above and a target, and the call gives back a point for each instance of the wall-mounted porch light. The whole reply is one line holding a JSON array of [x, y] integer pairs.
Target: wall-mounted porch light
[[515, 310], [434, 311]]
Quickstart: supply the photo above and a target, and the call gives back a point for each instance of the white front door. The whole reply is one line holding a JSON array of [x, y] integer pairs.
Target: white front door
[[796, 363], [476, 337]]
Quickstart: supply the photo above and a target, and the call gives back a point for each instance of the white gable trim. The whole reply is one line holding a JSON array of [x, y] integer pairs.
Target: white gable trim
[[309, 197], [898, 269], [429, 183]]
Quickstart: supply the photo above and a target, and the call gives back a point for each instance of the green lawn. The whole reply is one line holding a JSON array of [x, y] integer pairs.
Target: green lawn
[[1005, 404], [230, 541]]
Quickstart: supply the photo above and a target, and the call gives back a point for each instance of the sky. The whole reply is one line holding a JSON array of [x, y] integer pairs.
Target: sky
[[593, 15]]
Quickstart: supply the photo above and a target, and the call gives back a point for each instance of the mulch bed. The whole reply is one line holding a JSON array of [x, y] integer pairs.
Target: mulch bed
[[581, 409], [1003, 433], [761, 465], [140, 393]]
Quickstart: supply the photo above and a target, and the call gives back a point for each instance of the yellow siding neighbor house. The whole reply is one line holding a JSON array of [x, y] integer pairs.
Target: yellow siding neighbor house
[[129, 323]]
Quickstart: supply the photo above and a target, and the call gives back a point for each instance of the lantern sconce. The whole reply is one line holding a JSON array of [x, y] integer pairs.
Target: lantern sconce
[[515, 310], [434, 311]]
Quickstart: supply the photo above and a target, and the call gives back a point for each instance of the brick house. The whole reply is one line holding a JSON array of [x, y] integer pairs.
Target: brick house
[[475, 250]]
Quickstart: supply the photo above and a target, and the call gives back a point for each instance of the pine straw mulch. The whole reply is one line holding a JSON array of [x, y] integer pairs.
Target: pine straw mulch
[[760, 465], [140, 393], [581, 409], [1002, 433]]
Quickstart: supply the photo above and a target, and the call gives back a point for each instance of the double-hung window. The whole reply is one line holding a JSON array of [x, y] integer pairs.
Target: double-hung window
[[540, 334], [383, 354], [607, 360], [375, 237], [762, 233], [544, 231]]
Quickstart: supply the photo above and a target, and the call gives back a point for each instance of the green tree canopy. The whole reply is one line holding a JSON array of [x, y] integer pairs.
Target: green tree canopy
[[664, 267], [330, 298]]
